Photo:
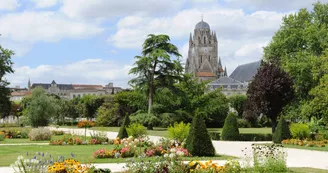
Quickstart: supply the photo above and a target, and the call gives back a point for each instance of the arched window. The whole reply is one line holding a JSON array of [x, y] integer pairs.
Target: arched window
[[204, 40], [199, 40], [201, 59], [209, 58]]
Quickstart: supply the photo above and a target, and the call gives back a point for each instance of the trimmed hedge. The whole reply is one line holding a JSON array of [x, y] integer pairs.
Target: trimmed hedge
[[215, 135], [282, 131], [255, 137], [123, 133], [198, 141], [230, 131]]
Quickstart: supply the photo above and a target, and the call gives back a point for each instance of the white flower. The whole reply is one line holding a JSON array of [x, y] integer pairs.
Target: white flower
[[20, 158], [180, 153], [173, 150], [166, 155], [172, 155]]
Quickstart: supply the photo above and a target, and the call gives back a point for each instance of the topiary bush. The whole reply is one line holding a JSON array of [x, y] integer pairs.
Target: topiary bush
[[230, 131], [40, 134], [123, 133], [282, 131], [136, 130], [198, 141], [299, 131]]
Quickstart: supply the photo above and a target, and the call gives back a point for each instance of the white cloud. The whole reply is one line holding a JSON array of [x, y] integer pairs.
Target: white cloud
[[95, 9], [31, 27], [9, 4], [89, 71], [280, 5], [45, 3]]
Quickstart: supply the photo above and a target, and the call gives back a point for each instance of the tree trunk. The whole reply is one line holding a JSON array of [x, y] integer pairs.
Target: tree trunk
[[274, 124], [150, 100]]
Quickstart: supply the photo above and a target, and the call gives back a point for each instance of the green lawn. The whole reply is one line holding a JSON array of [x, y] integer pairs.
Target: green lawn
[[83, 153], [17, 141], [158, 131], [308, 170], [307, 148]]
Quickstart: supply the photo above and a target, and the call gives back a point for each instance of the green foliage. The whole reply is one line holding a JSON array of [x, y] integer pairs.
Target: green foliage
[[300, 131], [5, 68], [269, 92], [198, 141], [148, 120], [2, 136], [107, 114], [316, 126], [215, 135], [136, 130], [282, 131], [232, 166], [179, 131], [129, 102], [155, 69], [269, 159], [123, 133], [255, 137], [90, 105], [242, 123], [41, 108], [40, 134], [230, 131], [237, 102]]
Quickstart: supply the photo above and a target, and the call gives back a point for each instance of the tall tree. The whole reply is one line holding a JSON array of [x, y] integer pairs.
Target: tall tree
[[270, 90], [5, 68], [155, 68], [41, 108], [238, 102]]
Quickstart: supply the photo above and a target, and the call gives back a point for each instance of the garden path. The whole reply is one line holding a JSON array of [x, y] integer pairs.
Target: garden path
[[295, 157]]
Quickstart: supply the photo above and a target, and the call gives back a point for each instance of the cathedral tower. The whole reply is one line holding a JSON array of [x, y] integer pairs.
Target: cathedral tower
[[203, 60]]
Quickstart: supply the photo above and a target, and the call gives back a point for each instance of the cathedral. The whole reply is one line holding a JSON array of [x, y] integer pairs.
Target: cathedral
[[203, 61]]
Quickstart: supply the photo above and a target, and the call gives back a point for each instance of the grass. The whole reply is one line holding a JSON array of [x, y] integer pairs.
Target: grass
[[158, 131], [17, 141], [307, 170], [307, 148], [83, 153]]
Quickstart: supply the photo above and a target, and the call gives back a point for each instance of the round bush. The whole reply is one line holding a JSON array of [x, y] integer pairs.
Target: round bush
[[40, 134], [230, 131], [300, 131]]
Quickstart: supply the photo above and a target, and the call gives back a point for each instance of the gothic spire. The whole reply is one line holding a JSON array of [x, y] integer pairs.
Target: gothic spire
[[220, 65], [190, 38], [215, 39], [225, 71], [29, 84]]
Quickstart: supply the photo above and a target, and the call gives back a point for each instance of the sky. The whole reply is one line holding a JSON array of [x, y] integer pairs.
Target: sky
[[95, 41]]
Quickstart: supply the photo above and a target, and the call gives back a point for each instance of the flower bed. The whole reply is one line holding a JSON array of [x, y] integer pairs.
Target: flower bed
[[85, 124], [68, 165], [132, 147], [307, 143], [15, 133], [76, 140]]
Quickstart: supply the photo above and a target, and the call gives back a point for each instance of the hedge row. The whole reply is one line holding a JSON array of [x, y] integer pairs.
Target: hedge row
[[245, 137]]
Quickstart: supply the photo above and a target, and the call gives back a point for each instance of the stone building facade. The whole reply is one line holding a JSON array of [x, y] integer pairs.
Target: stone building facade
[[203, 61], [70, 91]]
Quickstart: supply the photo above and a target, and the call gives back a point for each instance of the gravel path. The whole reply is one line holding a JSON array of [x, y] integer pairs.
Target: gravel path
[[295, 157]]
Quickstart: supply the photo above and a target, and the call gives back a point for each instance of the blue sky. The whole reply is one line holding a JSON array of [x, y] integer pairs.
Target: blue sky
[[95, 41]]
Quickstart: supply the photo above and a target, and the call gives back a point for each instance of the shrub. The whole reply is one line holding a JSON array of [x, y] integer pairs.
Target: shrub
[[2, 136], [57, 132], [214, 135], [242, 123], [123, 133], [179, 131], [40, 134], [14, 133], [198, 141], [282, 131], [136, 130], [149, 120], [255, 137], [299, 131], [230, 131]]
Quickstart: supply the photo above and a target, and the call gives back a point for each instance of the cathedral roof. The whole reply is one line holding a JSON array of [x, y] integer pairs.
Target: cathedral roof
[[202, 25], [225, 80], [205, 74], [245, 72]]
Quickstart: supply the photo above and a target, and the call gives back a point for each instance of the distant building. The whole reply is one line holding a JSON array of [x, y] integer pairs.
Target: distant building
[[17, 96], [229, 86], [237, 82], [71, 91], [203, 61]]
